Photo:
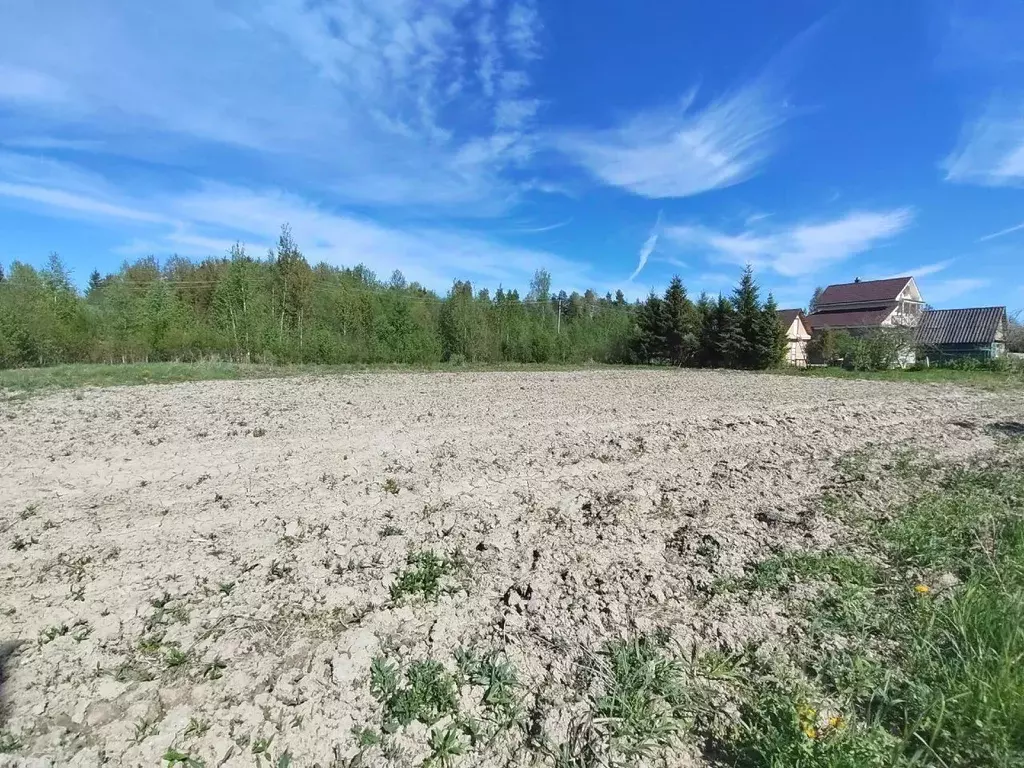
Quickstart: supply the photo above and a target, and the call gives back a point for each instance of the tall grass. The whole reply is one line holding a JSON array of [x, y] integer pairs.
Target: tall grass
[[915, 662]]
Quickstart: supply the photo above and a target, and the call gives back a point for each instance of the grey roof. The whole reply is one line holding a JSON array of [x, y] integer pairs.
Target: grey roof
[[960, 326]]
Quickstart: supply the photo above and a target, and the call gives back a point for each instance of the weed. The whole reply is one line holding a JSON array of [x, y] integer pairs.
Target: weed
[[429, 693], [197, 728], [176, 658], [226, 587], [782, 571], [77, 592], [366, 737], [174, 758], [383, 679], [144, 728], [28, 511], [778, 727], [390, 485], [49, 634], [8, 743], [445, 746], [642, 700], [423, 577], [391, 530], [21, 544], [214, 670], [259, 432], [49, 525], [499, 680], [278, 571], [150, 644]]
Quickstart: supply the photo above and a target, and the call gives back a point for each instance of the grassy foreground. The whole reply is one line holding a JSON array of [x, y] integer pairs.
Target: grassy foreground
[[26, 381], [913, 654], [992, 380], [73, 376]]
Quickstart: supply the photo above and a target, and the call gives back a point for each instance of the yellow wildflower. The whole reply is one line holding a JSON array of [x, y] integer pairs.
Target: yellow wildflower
[[810, 732], [836, 721], [922, 589]]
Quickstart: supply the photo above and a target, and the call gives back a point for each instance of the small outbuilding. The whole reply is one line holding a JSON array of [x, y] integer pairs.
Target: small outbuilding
[[947, 334], [797, 336]]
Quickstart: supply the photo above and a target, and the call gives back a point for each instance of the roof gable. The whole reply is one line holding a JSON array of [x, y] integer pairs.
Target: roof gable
[[793, 323], [978, 325], [787, 316], [867, 290]]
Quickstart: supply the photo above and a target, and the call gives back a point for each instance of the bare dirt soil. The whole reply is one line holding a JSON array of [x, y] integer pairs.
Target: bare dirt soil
[[207, 570]]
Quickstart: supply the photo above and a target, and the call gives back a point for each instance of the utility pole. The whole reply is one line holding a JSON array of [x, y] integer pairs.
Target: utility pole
[[558, 325]]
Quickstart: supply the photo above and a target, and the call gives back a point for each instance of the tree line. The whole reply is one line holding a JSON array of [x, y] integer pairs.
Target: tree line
[[281, 309]]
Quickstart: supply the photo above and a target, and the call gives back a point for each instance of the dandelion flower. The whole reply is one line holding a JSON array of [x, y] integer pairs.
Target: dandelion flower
[[810, 732], [835, 721], [922, 589]]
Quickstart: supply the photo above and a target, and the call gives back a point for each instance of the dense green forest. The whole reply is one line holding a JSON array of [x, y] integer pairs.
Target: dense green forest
[[282, 310]]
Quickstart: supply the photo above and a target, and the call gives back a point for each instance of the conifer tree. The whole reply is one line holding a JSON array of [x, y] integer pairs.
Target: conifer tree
[[728, 342], [650, 341], [748, 320], [680, 324], [771, 343]]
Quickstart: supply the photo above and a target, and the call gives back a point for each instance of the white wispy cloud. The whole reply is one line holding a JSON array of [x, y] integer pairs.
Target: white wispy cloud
[[390, 102], [684, 150], [923, 270], [1001, 232], [206, 219], [647, 248], [800, 249], [991, 149]]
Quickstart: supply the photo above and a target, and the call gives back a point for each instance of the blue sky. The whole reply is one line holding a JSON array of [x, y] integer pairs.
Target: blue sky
[[614, 143]]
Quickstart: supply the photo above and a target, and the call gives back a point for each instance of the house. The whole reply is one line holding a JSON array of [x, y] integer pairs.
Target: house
[[792, 320], [863, 305], [945, 334]]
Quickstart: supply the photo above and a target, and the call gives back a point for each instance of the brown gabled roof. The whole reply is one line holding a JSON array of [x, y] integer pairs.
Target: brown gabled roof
[[787, 316], [960, 326], [855, 318], [867, 290]]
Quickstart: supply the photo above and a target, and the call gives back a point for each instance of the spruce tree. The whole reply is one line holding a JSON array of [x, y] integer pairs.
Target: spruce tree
[[705, 310], [95, 281], [772, 342], [650, 341], [727, 339], [746, 303], [680, 324]]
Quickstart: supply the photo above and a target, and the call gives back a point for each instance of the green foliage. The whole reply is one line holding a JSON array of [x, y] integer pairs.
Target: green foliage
[[445, 745], [282, 310], [779, 727], [175, 758], [914, 664], [782, 571], [741, 332], [428, 693], [8, 743], [424, 577], [642, 700], [823, 348]]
